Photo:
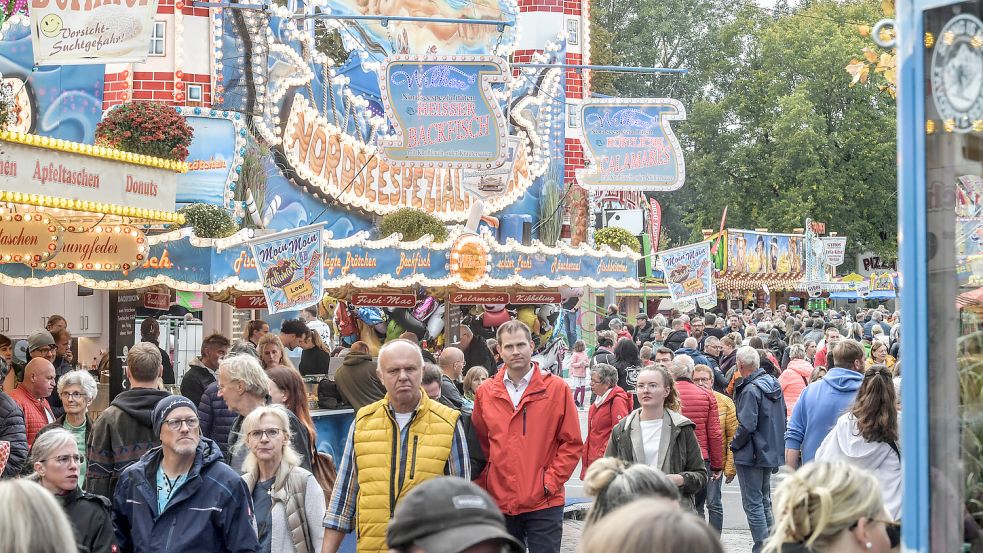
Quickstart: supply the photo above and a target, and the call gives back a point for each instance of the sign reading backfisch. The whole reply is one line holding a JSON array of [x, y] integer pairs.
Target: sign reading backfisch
[[632, 145], [290, 266], [80, 32], [443, 111]]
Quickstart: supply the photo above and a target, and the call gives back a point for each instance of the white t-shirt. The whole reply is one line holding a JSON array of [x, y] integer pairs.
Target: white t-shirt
[[651, 439], [402, 419]]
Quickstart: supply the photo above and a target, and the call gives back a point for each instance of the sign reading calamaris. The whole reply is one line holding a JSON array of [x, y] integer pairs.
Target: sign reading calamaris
[[631, 144], [443, 112]]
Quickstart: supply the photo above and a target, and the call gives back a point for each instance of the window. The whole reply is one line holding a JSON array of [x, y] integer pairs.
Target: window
[[157, 38], [573, 116], [194, 93], [573, 31]]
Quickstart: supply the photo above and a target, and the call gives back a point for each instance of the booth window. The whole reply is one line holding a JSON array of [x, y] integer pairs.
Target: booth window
[[194, 94], [953, 101], [157, 38]]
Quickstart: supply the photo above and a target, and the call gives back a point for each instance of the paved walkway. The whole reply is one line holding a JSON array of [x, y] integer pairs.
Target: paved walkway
[[734, 540]]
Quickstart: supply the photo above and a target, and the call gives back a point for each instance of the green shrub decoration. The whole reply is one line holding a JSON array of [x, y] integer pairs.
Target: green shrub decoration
[[209, 221], [615, 238], [413, 224]]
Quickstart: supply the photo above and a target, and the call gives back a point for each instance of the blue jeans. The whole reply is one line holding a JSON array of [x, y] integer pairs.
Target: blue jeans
[[541, 531], [715, 504], [756, 496], [700, 499]]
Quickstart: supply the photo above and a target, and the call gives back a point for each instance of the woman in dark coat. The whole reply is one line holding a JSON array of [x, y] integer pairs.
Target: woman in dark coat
[[150, 332]]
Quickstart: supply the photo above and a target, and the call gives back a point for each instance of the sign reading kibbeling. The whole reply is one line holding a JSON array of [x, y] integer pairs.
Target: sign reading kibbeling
[[443, 111], [631, 145]]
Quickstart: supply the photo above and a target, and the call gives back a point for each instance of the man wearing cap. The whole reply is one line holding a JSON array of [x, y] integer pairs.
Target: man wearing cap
[[644, 330], [181, 496], [449, 515], [32, 396], [40, 343], [394, 445], [125, 430]]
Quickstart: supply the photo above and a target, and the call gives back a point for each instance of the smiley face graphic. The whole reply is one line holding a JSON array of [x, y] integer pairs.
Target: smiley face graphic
[[51, 25]]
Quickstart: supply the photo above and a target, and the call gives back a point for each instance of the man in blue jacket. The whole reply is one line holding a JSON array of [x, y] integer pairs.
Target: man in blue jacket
[[757, 443], [822, 402], [181, 497]]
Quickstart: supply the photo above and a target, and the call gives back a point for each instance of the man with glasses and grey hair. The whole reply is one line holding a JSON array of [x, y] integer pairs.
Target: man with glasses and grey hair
[[124, 431], [182, 496]]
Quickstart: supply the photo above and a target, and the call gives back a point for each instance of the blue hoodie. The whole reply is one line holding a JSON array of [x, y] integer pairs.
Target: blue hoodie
[[760, 421], [820, 404]]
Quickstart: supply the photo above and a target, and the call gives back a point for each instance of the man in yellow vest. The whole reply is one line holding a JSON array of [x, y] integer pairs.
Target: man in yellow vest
[[395, 444]]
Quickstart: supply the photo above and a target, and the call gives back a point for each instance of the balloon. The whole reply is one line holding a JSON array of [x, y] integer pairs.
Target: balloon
[[393, 330], [494, 307], [435, 325], [370, 315], [571, 297], [527, 315], [494, 319], [425, 308], [367, 334], [407, 321]]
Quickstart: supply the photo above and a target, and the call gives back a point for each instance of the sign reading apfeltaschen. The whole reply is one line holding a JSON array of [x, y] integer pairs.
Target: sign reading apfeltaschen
[[38, 170], [631, 145], [82, 32], [443, 111], [291, 268]]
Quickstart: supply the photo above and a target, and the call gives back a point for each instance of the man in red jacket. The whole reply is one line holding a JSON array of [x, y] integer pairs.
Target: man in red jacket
[[700, 406], [529, 430]]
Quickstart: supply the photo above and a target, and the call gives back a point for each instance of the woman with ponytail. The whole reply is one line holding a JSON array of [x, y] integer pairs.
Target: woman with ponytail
[[867, 435], [831, 508], [612, 483]]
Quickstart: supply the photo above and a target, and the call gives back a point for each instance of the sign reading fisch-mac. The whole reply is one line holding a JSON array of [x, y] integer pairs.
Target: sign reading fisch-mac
[[80, 32], [38, 170]]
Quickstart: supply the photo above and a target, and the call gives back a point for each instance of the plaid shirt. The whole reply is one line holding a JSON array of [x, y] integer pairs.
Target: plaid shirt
[[340, 514]]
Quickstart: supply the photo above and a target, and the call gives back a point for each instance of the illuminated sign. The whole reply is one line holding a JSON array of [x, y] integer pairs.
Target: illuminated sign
[[65, 174], [443, 111], [383, 300], [469, 258], [99, 248], [160, 302], [337, 165], [631, 145], [29, 238]]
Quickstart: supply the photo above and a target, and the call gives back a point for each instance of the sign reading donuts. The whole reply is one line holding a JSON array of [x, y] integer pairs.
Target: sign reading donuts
[[82, 32]]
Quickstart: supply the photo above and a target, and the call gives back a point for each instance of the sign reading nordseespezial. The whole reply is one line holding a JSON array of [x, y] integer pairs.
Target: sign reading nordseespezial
[[631, 145], [291, 268], [443, 111], [81, 32]]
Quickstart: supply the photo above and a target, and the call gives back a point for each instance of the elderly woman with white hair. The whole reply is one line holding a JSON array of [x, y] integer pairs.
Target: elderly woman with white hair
[[287, 500], [77, 390], [56, 461], [244, 386]]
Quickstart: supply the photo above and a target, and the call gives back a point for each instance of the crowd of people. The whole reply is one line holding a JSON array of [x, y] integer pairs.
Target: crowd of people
[[446, 456]]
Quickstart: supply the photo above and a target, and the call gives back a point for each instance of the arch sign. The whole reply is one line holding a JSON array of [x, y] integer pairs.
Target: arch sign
[[631, 145]]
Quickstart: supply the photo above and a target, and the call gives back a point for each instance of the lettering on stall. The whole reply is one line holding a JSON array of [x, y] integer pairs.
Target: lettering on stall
[[358, 261], [58, 173], [607, 266], [413, 262], [141, 187], [559, 266], [516, 264]]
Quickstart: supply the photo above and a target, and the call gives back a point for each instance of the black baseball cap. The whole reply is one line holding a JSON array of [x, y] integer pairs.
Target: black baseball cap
[[447, 515]]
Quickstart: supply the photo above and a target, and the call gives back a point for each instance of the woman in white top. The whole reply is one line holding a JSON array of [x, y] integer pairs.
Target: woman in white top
[[657, 435], [287, 499], [867, 435]]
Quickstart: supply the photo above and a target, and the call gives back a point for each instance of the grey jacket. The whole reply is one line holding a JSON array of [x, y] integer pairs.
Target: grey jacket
[[679, 450]]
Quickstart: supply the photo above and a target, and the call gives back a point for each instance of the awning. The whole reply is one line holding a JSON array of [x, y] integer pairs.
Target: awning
[[873, 295]]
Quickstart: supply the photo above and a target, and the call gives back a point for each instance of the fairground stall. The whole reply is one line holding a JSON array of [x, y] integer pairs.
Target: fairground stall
[[760, 268]]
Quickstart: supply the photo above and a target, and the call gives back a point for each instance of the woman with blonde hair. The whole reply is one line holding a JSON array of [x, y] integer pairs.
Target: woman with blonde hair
[[612, 483], [272, 353], [287, 500], [830, 507], [57, 462], [32, 521], [656, 434], [650, 526], [879, 355], [472, 380]]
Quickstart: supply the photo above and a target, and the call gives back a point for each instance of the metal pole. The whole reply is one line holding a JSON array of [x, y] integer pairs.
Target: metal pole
[[385, 19], [627, 69]]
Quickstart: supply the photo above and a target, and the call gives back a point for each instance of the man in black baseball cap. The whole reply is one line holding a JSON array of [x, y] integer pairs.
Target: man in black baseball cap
[[449, 515]]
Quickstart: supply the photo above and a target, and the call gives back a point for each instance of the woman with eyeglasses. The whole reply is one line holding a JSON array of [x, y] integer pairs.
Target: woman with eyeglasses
[[867, 435], [57, 462], [287, 500], [657, 435], [831, 507], [77, 390]]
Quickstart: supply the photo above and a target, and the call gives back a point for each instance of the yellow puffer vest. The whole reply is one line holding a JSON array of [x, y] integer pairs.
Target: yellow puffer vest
[[378, 458]]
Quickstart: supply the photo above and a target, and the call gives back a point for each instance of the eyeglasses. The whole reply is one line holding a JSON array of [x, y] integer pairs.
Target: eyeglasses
[[704, 379], [64, 460], [43, 350], [643, 387], [75, 396], [271, 433], [175, 424]]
